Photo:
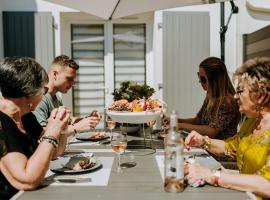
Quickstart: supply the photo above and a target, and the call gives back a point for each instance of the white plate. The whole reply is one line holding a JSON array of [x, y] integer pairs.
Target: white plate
[[58, 166], [133, 117], [87, 136]]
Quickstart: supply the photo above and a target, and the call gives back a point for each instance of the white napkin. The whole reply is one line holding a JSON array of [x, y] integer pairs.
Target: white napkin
[[98, 178]]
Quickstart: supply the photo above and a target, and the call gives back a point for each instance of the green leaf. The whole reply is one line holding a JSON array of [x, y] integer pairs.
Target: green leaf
[[131, 90]]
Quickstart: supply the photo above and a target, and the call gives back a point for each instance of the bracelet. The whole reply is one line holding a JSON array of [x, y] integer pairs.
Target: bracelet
[[207, 142], [51, 139], [74, 129], [216, 177]]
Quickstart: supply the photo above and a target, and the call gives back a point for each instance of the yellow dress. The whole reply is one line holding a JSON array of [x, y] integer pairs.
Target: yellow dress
[[252, 155]]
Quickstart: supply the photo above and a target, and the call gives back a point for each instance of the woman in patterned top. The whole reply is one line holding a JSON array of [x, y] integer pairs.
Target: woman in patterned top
[[251, 145], [219, 115], [24, 162]]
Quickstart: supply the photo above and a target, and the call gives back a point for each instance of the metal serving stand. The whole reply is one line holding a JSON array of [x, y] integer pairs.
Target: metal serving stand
[[137, 118]]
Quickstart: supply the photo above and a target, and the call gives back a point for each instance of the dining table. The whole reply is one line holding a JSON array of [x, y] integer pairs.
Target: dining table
[[142, 181]]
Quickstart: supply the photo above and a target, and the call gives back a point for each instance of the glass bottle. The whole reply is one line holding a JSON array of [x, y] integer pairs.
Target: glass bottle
[[174, 158]]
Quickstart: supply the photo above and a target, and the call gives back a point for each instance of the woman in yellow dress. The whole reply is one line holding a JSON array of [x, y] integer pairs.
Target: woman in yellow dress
[[251, 145]]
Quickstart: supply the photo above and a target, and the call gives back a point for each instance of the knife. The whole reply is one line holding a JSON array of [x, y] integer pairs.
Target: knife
[[105, 142], [70, 179]]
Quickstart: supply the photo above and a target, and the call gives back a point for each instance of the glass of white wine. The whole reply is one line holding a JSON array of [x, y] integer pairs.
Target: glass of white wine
[[110, 124], [119, 145]]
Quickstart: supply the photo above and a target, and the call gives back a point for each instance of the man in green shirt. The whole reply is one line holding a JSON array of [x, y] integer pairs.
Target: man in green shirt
[[62, 75]]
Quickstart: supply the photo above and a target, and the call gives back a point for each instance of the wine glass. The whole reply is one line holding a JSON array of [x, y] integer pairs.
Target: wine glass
[[119, 145], [151, 124], [110, 125], [164, 131], [165, 126]]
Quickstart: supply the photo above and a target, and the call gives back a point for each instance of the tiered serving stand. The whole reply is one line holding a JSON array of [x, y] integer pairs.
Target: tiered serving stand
[[136, 118]]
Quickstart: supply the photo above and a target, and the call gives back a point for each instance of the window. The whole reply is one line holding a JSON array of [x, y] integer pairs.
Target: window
[[88, 50], [129, 53], [108, 53]]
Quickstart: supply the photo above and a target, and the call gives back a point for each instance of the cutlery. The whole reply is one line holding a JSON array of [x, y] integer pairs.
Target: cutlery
[[105, 142], [70, 179]]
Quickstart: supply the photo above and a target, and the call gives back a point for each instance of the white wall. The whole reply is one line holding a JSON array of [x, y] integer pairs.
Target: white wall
[[33, 5], [214, 12]]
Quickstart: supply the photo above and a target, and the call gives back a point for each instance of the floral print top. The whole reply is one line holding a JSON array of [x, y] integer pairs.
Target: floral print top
[[252, 155], [225, 120]]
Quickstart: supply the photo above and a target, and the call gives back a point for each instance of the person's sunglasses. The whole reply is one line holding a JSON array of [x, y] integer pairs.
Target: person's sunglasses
[[202, 79]]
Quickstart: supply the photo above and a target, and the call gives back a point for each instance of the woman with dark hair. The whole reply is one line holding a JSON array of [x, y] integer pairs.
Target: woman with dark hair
[[219, 115], [25, 151], [251, 145]]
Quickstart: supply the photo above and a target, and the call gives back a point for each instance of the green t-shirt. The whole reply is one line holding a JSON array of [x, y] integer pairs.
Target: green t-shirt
[[45, 107]]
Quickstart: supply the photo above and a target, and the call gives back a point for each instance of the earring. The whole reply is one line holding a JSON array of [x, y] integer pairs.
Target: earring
[[258, 108], [258, 117], [30, 106]]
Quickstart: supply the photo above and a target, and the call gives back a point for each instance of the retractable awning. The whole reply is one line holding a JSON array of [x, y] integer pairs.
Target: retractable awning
[[110, 9]]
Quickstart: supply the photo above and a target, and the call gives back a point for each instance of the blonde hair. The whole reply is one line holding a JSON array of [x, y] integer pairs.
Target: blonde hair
[[64, 61], [256, 73]]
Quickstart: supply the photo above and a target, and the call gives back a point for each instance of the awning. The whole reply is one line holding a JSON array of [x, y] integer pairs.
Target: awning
[[259, 5], [110, 9]]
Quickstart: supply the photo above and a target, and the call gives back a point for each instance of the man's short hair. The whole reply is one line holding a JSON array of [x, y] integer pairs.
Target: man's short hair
[[64, 61]]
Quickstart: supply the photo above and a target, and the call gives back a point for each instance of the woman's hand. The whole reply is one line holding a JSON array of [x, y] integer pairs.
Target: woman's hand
[[96, 114], [194, 139], [58, 121], [195, 172]]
